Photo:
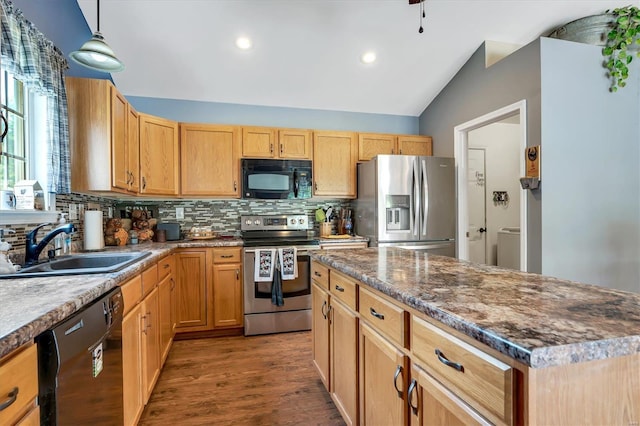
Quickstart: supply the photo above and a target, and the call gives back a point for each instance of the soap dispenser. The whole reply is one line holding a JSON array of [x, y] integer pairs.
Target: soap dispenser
[[6, 267]]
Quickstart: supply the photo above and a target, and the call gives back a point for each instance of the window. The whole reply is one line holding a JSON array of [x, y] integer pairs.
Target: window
[[14, 154]]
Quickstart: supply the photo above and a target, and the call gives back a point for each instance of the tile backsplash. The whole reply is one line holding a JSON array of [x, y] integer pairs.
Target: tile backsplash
[[222, 215]]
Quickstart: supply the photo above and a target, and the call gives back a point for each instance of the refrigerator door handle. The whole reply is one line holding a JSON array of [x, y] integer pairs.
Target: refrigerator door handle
[[415, 225], [425, 204]]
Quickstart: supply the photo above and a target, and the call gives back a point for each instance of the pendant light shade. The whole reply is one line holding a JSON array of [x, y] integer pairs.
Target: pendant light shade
[[97, 54]]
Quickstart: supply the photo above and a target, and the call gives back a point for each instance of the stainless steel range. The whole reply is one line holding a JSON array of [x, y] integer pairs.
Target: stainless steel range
[[273, 232]]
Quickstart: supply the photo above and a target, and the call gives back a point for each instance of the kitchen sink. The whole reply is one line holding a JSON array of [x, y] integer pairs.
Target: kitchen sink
[[84, 263]]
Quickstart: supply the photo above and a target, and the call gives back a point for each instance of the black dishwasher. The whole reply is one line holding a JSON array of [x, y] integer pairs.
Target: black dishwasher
[[80, 366]]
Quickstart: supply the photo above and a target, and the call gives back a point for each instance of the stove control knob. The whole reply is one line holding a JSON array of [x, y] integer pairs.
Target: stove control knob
[[257, 222], [248, 222], [301, 221], [292, 221]]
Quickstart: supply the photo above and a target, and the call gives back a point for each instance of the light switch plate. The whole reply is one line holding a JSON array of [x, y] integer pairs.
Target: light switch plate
[[179, 212], [73, 212]]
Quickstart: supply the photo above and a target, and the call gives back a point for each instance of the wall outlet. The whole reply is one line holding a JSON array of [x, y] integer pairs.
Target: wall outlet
[[73, 212], [110, 212], [179, 212]]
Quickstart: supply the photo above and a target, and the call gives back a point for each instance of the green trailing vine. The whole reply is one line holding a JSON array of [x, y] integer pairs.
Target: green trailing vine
[[623, 35]]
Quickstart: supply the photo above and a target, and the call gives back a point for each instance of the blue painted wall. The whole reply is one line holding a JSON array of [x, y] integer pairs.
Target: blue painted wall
[[223, 113], [63, 23]]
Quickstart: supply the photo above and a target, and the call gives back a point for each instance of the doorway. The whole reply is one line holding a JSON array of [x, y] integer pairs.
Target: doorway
[[470, 239], [477, 205]]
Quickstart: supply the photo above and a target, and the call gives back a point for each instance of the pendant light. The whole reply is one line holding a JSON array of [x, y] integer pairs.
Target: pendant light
[[96, 53]]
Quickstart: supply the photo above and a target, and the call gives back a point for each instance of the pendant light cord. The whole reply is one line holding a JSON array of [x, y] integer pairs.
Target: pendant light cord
[[98, 15]]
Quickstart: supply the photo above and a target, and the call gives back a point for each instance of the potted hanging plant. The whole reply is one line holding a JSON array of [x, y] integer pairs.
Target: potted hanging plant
[[622, 39], [618, 31]]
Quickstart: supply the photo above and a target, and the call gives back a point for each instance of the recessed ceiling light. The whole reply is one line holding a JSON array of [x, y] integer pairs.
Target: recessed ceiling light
[[368, 57], [243, 43]]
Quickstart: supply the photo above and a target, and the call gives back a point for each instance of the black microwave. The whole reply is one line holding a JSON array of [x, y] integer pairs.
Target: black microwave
[[276, 179]]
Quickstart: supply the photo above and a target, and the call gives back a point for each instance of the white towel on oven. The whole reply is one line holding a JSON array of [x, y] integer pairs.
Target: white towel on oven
[[265, 262], [288, 257]]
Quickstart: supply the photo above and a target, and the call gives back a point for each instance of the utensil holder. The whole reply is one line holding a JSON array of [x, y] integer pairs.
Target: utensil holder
[[325, 229]]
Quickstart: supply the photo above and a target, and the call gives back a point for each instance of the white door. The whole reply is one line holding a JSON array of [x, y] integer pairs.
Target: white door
[[476, 197]]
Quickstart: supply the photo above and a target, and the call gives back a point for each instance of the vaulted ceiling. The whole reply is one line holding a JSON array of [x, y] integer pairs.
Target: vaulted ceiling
[[306, 53]]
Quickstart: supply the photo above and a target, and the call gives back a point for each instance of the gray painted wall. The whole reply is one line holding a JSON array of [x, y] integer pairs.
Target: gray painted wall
[[587, 227], [591, 200], [475, 91], [224, 113]]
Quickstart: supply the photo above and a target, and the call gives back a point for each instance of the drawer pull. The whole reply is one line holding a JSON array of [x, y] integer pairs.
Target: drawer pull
[[317, 274], [375, 314], [412, 388], [11, 398], [443, 359], [339, 288], [226, 256], [395, 380], [166, 265], [324, 314]]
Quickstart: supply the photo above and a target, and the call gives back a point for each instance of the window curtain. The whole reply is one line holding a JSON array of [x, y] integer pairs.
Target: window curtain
[[34, 60]]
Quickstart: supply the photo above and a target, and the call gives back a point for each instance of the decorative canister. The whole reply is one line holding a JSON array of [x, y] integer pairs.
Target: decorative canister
[[7, 200]]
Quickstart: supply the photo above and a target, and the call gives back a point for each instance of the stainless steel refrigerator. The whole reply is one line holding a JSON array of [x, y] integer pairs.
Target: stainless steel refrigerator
[[408, 202]]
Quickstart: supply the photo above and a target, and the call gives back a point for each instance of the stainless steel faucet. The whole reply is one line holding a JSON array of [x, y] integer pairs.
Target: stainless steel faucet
[[33, 248]]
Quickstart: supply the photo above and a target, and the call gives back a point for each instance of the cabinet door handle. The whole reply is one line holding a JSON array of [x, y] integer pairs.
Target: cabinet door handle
[[399, 152], [339, 288], [316, 185], [149, 323], [271, 148], [166, 265], [235, 185], [144, 183], [173, 284], [281, 149], [324, 314], [395, 380], [412, 387], [144, 324], [226, 256], [11, 398], [317, 274], [376, 314], [237, 274], [330, 314], [391, 151], [443, 359]]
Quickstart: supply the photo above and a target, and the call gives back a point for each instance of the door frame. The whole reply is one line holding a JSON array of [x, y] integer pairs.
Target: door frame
[[461, 145]]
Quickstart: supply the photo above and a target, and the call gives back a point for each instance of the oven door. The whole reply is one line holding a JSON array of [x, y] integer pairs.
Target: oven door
[[296, 292]]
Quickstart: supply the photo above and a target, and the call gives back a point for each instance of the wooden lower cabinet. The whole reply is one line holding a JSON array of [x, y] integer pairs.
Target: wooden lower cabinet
[[192, 310], [320, 331], [19, 382], [344, 360], [227, 295], [383, 380], [432, 404], [165, 288], [150, 342], [132, 365]]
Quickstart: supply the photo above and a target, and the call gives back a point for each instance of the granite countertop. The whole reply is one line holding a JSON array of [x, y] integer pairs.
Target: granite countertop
[[537, 320], [30, 306]]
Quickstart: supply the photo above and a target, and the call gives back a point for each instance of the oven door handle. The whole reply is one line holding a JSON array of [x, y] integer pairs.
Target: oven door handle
[[299, 252]]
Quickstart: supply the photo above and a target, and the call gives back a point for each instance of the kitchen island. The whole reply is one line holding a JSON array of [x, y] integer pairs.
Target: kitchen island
[[564, 352]]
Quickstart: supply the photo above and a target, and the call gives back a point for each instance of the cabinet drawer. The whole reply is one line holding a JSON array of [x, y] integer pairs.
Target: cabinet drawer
[[388, 318], [320, 274], [149, 279], [230, 255], [131, 293], [19, 372], [344, 288], [483, 381], [166, 266]]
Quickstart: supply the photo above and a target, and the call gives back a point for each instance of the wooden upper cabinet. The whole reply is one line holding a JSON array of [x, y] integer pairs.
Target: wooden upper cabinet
[[268, 142], [415, 145], [334, 164], [133, 149], [372, 144], [209, 160], [294, 144], [102, 137], [259, 142], [158, 156]]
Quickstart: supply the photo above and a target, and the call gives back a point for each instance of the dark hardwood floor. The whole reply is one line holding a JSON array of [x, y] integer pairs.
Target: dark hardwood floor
[[257, 380]]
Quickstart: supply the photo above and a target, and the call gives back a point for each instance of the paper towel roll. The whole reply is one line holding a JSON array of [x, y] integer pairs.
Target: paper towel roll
[[93, 234]]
